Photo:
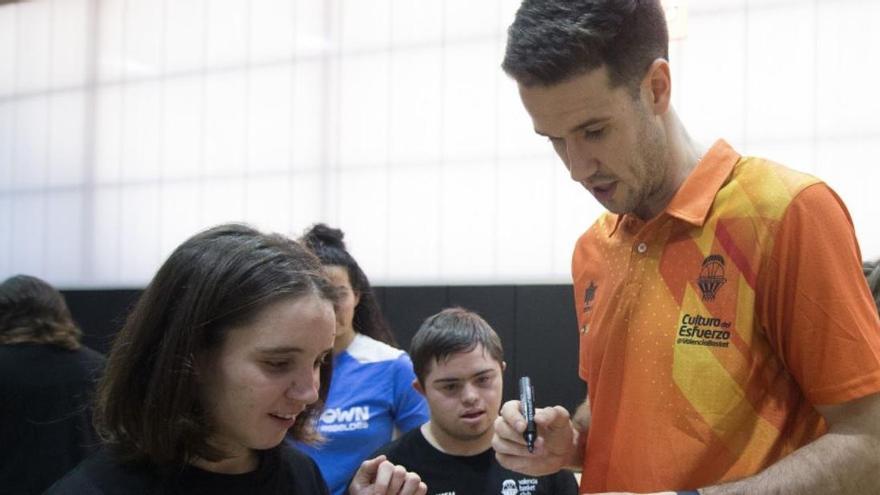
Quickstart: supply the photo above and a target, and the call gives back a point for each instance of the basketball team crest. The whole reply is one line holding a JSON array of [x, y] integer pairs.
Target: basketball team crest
[[711, 276], [589, 295]]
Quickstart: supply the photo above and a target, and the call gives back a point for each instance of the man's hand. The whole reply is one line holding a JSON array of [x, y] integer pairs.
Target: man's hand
[[377, 476], [554, 447]]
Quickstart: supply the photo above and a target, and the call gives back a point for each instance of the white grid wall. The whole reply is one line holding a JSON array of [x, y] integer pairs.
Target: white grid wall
[[128, 125]]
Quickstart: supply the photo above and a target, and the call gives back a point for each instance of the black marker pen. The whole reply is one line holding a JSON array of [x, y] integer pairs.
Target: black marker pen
[[527, 407]]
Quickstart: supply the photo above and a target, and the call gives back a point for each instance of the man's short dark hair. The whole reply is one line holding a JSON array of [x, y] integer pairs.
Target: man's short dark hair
[[553, 40], [452, 331], [149, 404]]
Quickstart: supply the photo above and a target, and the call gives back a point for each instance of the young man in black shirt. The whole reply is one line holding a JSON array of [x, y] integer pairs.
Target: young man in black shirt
[[459, 361]]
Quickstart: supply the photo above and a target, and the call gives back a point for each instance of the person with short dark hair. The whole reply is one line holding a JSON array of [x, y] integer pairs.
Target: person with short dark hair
[[47, 383], [371, 396], [459, 364], [225, 352], [727, 336]]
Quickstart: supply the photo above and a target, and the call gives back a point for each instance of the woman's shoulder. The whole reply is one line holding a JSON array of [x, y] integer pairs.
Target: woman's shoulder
[[101, 473], [367, 350]]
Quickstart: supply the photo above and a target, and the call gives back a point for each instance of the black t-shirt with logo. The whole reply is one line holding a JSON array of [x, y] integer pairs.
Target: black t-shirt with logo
[[469, 475]]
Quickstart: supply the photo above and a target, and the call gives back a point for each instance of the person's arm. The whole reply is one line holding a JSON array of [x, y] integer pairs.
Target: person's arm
[[845, 460], [557, 446]]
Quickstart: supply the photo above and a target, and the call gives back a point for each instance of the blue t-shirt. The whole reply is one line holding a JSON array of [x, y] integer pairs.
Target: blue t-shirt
[[371, 393]]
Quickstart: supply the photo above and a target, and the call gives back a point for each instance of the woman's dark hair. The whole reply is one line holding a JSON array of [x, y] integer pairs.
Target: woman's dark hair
[[553, 40], [149, 406], [32, 311], [327, 244], [452, 331]]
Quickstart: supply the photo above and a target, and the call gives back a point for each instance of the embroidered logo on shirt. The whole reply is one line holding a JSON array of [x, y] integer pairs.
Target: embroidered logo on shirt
[[704, 331], [711, 276], [521, 487], [589, 295]]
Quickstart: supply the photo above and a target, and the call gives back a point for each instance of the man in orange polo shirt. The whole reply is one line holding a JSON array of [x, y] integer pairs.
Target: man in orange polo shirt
[[727, 335]]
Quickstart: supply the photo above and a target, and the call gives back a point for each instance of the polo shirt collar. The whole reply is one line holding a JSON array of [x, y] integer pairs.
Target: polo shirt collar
[[695, 196]]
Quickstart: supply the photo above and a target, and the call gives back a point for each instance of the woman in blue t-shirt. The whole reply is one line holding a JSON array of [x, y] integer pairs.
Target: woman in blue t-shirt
[[371, 391]]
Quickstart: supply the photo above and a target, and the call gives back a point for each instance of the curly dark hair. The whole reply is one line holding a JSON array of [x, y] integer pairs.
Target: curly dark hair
[[553, 40], [32, 311], [327, 243], [148, 407]]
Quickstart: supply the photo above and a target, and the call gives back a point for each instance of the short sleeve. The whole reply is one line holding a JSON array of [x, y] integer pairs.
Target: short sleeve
[[814, 303], [410, 408]]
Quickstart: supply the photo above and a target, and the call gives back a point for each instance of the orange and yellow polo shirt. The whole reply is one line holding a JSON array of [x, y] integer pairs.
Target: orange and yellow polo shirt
[[708, 333]]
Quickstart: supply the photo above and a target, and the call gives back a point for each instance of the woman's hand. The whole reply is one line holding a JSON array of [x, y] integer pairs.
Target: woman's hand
[[378, 476]]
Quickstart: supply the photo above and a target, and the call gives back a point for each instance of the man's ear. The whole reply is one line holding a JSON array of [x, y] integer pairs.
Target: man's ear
[[657, 85], [418, 386]]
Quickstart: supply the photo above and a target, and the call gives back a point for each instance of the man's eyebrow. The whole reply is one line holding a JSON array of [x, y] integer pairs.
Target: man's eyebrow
[[587, 123]]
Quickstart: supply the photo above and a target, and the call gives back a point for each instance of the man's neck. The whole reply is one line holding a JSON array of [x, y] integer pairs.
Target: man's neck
[[682, 155], [448, 445]]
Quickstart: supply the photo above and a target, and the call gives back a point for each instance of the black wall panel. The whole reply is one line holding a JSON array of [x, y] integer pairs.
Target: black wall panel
[[536, 324], [547, 344]]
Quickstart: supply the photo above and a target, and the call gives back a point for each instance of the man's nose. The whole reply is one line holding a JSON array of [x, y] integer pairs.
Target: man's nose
[[581, 163]]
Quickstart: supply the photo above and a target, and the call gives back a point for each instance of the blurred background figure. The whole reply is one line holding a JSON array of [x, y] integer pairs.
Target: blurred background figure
[[872, 273], [371, 393], [47, 380]]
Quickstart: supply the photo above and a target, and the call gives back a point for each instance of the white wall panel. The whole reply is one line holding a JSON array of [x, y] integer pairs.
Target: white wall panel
[[268, 203], [141, 118], [469, 116], [780, 91], [415, 122], [364, 26], [269, 119], [7, 137], [272, 31], [525, 223], [66, 139], [363, 120], [64, 237], [307, 135], [29, 235], [468, 198], [227, 32], [414, 215], [847, 41], [416, 22], [225, 124], [185, 28], [139, 240], [182, 138], [106, 235], [9, 52], [144, 37], [179, 214], [108, 134], [34, 44], [30, 142], [362, 197]]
